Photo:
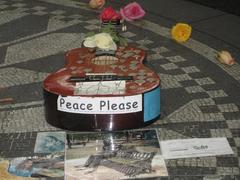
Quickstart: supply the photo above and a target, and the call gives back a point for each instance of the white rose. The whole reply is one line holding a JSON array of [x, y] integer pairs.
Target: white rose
[[104, 41], [89, 42], [226, 58]]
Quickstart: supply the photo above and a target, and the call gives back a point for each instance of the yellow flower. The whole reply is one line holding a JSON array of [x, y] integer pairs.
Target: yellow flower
[[181, 32]]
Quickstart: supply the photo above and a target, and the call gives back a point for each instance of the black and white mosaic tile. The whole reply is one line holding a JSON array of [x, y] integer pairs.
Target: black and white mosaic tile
[[200, 96]]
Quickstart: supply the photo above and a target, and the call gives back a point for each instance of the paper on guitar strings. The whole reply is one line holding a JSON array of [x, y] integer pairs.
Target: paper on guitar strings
[[100, 87]]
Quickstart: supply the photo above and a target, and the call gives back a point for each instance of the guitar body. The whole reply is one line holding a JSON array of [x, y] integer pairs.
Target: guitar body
[[132, 100]]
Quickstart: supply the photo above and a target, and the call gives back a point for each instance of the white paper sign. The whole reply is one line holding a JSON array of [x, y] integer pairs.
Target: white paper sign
[[197, 147], [100, 87], [100, 105]]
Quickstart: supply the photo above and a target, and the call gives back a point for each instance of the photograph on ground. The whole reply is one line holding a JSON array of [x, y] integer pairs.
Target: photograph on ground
[[48, 158], [50, 142], [38, 166], [118, 155]]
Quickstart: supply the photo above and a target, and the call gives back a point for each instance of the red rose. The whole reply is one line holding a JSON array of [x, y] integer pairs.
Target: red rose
[[109, 14], [132, 12]]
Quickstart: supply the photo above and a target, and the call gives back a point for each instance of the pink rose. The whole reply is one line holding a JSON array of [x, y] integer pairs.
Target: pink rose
[[132, 11]]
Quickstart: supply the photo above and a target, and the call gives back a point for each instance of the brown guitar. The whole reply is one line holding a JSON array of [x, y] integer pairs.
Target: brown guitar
[[98, 91]]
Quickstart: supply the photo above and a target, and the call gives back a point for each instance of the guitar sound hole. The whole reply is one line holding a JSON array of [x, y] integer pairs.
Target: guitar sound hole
[[104, 60]]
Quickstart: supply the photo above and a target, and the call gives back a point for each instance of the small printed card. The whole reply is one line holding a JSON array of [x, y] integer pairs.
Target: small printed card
[[50, 142], [196, 147]]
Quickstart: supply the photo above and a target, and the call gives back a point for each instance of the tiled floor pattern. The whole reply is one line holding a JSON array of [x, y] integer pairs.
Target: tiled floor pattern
[[195, 99]]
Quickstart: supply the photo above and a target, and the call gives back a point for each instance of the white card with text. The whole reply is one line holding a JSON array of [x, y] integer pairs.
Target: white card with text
[[100, 105], [196, 147]]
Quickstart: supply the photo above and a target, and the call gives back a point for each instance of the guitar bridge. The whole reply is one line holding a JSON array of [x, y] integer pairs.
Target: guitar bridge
[[110, 77]]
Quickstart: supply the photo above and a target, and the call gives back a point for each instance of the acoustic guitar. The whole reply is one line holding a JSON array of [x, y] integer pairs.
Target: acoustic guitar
[[99, 91]]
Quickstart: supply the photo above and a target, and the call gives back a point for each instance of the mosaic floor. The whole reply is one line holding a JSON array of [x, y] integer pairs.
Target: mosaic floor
[[200, 96]]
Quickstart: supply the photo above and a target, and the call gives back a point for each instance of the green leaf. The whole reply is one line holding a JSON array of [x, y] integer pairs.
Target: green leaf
[[115, 37], [123, 41]]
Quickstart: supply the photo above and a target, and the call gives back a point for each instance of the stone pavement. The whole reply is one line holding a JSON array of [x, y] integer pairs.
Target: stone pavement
[[200, 96]]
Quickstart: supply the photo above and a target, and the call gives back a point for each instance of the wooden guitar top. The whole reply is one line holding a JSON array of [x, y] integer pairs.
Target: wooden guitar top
[[81, 61]]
